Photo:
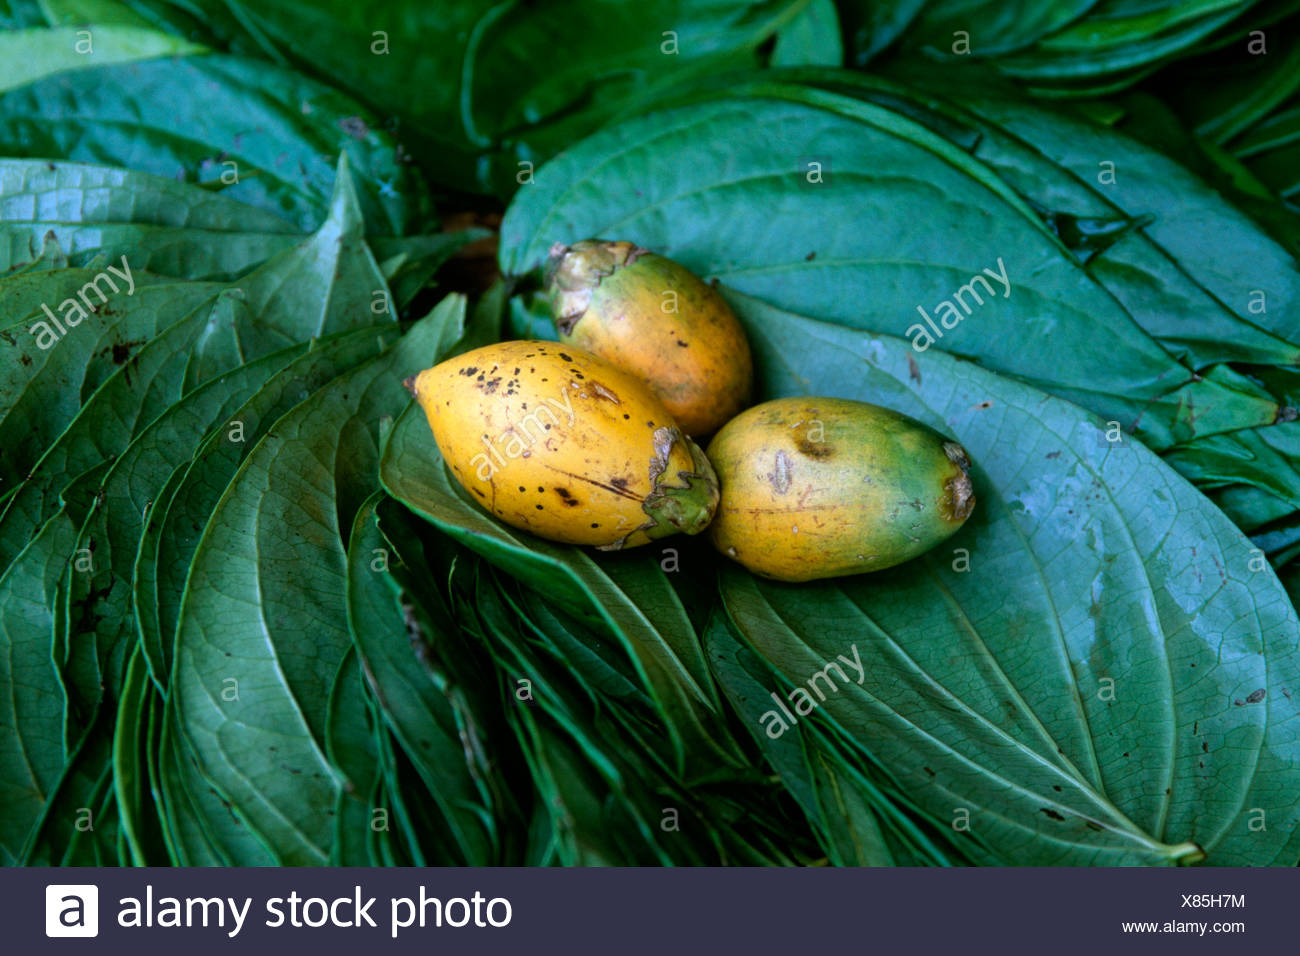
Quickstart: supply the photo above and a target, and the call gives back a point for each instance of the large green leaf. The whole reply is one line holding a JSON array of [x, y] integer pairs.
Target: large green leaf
[[353, 745], [328, 283], [134, 739], [93, 594], [1189, 268], [102, 214], [200, 828], [100, 587], [413, 698], [811, 37], [1094, 670], [64, 824], [263, 625], [30, 55], [490, 89], [896, 219], [990, 28], [1223, 259], [43, 390], [16, 14], [1232, 94], [32, 754], [269, 136], [1121, 39], [81, 823], [870, 26], [118, 411], [25, 294], [850, 830], [593, 804], [181, 510]]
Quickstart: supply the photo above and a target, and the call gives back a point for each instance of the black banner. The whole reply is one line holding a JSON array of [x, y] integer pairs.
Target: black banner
[[658, 911]]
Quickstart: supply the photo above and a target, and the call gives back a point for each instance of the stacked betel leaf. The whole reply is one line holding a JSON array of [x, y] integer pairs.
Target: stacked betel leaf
[[248, 617], [975, 265], [1071, 48]]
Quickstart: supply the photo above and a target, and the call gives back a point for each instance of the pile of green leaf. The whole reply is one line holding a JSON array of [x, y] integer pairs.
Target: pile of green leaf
[[246, 618]]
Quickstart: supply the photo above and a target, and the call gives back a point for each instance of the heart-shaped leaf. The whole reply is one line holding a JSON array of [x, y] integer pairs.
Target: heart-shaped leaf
[[1097, 668], [102, 214], [859, 215], [263, 134], [251, 679]]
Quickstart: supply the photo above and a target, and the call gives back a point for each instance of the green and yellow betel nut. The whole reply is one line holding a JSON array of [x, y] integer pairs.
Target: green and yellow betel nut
[[656, 319], [821, 487]]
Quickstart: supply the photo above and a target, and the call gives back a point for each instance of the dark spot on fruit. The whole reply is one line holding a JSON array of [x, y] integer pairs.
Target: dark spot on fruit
[[541, 488], [522, 488], [472, 370], [566, 358], [814, 449], [540, 508], [779, 476], [566, 497], [627, 417], [479, 493], [682, 344], [619, 483], [595, 524]]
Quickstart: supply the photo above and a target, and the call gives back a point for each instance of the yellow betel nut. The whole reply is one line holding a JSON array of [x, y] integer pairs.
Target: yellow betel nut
[[821, 487], [555, 441], [655, 318]]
